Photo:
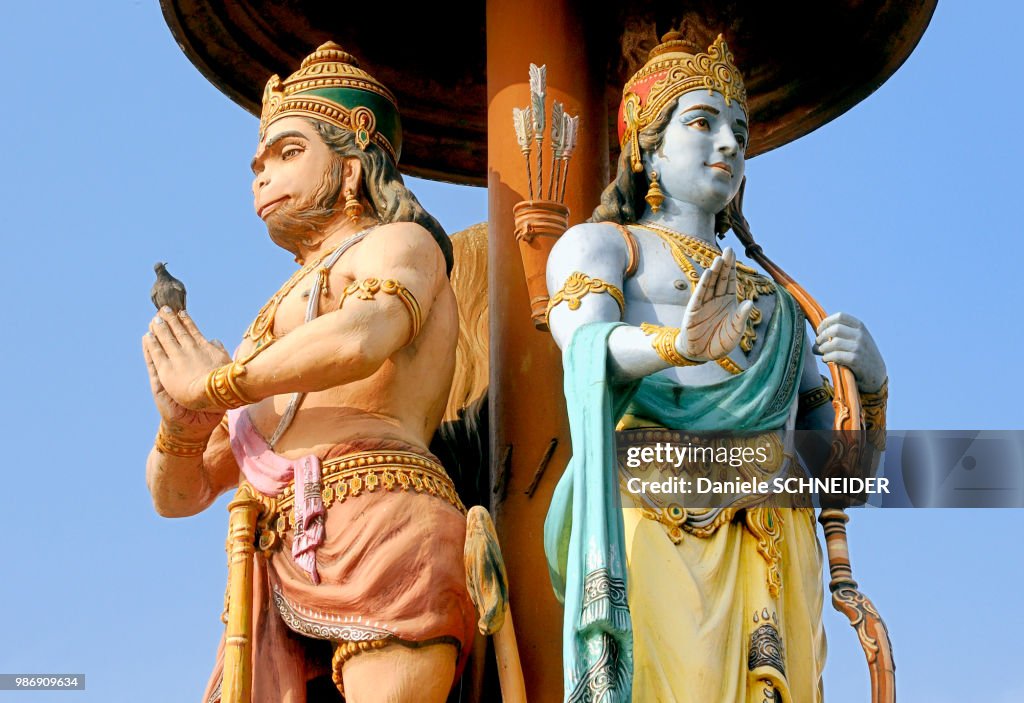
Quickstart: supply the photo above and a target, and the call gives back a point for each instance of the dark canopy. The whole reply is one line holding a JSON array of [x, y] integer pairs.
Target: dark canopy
[[805, 62]]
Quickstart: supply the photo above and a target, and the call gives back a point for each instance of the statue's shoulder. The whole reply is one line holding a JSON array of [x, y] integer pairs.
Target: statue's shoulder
[[594, 235], [402, 242], [404, 251], [400, 232], [592, 243]]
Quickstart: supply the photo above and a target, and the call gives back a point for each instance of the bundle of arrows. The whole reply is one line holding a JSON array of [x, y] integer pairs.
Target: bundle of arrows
[[530, 124]]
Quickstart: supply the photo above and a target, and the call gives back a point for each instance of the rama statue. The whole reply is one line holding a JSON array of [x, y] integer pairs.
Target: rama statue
[[663, 334], [326, 411]]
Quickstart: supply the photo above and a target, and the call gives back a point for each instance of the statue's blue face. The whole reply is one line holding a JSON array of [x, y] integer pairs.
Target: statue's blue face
[[701, 158]]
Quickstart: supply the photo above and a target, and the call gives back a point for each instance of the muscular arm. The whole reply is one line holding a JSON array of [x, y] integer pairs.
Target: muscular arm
[[712, 322], [182, 486], [842, 339], [598, 252], [339, 347], [822, 417], [351, 343]]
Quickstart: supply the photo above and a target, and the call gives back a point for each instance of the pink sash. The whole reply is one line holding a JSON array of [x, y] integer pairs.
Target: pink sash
[[270, 473]]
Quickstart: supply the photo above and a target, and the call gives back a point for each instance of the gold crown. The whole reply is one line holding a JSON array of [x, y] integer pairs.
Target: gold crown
[[675, 67], [330, 86]]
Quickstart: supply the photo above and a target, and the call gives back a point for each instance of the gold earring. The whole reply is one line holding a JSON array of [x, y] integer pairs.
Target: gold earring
[[353, 208], [654, 195]]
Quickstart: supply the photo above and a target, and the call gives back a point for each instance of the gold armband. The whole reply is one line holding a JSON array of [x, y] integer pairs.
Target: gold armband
[[664, 343], [222, 387], [578, 285], [367, 288], [874, 414], [172, 446], [816, 397]]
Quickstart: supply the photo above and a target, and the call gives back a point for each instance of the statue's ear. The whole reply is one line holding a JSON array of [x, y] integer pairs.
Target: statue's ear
[[352, 176]]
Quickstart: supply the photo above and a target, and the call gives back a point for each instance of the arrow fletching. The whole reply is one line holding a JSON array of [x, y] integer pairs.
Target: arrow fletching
[[538, 93]]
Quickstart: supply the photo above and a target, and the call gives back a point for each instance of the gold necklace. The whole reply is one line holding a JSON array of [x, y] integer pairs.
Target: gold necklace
[[695, 246], [261, 331], [687, 250]]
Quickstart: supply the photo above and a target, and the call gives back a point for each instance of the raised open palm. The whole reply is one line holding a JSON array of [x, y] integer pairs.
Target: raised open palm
[[714, 319]]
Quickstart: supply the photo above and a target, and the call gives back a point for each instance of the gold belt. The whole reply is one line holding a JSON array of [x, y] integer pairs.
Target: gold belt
[[354, 474]]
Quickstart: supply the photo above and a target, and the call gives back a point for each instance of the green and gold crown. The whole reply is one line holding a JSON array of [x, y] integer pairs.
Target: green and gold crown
[[675, 67], [330, 86]]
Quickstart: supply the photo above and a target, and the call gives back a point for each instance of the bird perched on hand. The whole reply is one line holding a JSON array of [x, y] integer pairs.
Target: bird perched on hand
[[167, 290]]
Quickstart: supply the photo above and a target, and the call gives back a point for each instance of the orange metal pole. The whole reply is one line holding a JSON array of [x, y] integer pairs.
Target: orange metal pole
[[527, 408]]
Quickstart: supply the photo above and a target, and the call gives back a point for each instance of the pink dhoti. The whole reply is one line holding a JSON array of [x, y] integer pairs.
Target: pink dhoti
[[386, 566]]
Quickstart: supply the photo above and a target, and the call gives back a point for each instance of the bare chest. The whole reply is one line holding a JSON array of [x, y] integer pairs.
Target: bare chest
[[303, 298], [666, 277], [309, 301]]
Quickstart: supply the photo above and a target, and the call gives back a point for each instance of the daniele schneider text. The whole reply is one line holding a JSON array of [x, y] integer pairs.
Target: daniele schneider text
[[668, 454]]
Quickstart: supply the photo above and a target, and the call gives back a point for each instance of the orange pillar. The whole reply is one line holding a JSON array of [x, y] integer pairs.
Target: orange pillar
[[527, 409]]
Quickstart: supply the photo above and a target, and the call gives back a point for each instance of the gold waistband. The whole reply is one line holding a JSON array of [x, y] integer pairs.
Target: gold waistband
[[355, 474]]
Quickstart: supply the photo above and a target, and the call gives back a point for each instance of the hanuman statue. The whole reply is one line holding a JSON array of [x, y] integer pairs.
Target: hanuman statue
[[327, 408]]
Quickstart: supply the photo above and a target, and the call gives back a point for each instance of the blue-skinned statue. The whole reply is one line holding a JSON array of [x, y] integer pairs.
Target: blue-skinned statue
[[662, 333]]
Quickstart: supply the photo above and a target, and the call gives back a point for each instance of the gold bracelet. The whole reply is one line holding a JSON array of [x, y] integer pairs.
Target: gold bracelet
[[729, 365], [874, 405], [166, 443], [816, 397], [222, 387], [578, 285], [813, 399], [664, 343], [367, 288]]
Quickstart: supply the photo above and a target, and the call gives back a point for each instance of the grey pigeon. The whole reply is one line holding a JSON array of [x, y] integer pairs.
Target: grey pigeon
[[167, 290]]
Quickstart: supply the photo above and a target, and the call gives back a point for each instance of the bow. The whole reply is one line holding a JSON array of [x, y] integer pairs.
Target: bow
[[844, 453]]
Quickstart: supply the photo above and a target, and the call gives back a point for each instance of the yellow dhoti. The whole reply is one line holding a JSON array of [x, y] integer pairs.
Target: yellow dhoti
[[706, 628], [726, 604]]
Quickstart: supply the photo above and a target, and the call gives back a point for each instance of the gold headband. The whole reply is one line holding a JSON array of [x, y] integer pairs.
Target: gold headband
[[330, 86]]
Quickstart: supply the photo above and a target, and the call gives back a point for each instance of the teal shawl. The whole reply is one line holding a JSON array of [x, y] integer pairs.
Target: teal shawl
[[583, 532]]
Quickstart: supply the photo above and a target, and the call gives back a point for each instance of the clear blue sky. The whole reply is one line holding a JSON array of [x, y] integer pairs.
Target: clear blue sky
[[117, 153]]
